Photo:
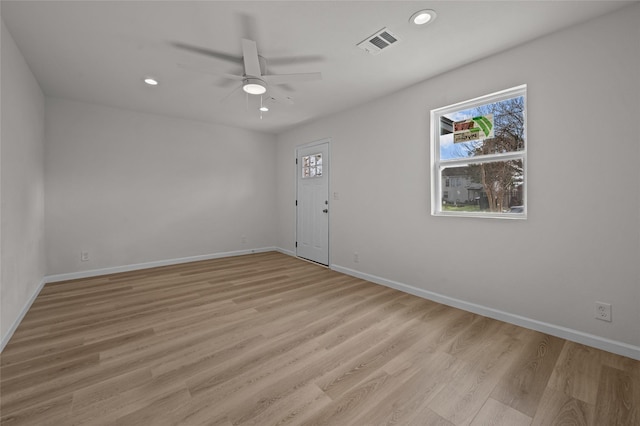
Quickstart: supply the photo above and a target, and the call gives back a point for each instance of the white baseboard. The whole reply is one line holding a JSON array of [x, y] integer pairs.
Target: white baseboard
[[154, 264], [284, 251], [23, 312], [598, 342]]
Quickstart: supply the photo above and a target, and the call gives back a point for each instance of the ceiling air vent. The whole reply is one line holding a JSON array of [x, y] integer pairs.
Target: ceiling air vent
[[378, 41]]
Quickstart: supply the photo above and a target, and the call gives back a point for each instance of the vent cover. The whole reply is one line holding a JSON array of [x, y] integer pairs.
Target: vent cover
[[378, 41]]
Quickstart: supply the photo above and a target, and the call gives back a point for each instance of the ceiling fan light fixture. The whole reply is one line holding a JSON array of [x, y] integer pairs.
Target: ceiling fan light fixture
[[254, 86], [264, 109], [422, 17]]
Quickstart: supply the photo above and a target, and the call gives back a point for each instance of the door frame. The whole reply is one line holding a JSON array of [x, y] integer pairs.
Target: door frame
[[326, 170]]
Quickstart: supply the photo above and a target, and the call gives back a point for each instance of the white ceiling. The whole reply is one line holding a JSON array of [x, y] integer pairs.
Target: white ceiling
[[99, 51]]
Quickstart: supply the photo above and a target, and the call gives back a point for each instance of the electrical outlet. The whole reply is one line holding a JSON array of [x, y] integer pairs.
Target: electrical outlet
[[84, 256], [243, 239], [603, 311], [356, 257]]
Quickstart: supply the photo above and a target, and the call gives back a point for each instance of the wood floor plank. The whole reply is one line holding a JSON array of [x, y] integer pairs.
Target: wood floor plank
[[114, 406], [495, 413], [350, 374], [246, 390], [469, 340], [275, 380], [431, 373], [464, 396], [10, 357], [159, 412], [267, 339], [344, 410], [558, 409], [618, 401], [295, 408], [107, 389], [628, 365], [36, 365], [524, 383], [15, 389], [427, 417], [577, 372], [316, 328], [54, 412], [173, 339]]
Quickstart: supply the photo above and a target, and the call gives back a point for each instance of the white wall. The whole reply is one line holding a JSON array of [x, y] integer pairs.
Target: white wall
[[22, 187], [134, 188], [581, 241]]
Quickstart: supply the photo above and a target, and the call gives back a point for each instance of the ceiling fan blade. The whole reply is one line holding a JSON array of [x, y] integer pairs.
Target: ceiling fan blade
[[247, 24], [296, 60], [208, 52], [217, 74], [286, 87], [250, 57], [291, 78], [228, 95]]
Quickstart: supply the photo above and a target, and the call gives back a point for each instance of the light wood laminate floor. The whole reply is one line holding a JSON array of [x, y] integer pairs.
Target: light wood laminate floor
[[267, 339]]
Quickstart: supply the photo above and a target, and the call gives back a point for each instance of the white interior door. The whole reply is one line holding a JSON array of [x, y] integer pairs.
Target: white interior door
[[312, 203]]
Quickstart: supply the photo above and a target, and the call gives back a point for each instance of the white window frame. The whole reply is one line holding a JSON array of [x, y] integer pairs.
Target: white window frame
[[438, 165]]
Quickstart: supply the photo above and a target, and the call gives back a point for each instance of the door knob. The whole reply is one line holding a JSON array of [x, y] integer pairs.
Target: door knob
[[325, 211]]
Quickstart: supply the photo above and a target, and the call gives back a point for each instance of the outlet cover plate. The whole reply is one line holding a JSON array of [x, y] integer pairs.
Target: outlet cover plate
[[603, 311]]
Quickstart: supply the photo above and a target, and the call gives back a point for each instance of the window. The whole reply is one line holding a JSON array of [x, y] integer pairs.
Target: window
[[478, 153], [312, 166]]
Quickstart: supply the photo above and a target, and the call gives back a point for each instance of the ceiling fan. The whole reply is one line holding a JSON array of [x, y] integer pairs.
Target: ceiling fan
[[254, 79]]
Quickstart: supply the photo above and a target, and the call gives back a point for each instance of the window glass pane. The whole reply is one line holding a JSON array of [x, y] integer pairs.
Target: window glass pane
[[495, 186], [484, 130], [312, 166]]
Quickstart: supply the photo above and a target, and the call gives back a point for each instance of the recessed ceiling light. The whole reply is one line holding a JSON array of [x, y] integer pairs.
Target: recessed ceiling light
[[151, 81], [422, 17], [254, 86], [264, 109]]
